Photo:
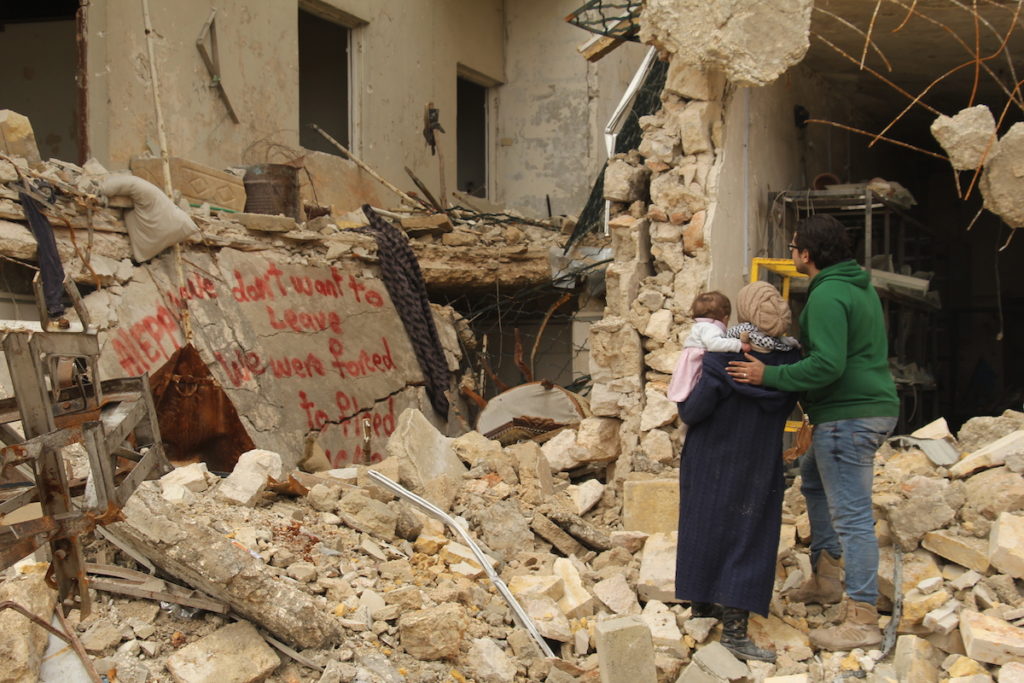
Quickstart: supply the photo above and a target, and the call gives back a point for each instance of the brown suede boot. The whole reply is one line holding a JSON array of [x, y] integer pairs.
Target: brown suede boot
[[824, 586], [859, 628]]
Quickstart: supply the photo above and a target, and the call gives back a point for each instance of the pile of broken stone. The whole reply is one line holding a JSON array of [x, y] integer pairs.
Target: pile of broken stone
[[364, 585]]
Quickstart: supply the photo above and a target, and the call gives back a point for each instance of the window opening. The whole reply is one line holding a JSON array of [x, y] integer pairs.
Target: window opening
[[323, 82], [471, 137]]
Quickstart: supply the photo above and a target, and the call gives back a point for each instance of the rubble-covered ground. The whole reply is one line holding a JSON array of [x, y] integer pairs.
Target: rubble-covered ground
[[395, 596]]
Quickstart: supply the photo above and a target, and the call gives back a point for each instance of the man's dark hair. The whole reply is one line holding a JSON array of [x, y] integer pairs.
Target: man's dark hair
[[825, 238]]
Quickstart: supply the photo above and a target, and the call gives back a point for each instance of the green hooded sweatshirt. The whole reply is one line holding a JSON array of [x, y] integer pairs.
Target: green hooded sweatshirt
[[845, 372]]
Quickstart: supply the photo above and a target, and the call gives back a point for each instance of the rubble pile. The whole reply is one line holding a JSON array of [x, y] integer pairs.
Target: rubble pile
[[359, 584]]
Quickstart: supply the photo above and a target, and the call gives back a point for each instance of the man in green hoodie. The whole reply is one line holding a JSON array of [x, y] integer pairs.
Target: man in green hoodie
[[851, 400]]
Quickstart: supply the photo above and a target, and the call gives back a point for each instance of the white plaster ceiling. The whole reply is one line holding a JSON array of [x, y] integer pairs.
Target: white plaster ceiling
[[925, 48]]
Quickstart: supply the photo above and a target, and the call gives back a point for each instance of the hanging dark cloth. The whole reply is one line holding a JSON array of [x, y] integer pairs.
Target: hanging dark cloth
[[50, 267], [404, 281]]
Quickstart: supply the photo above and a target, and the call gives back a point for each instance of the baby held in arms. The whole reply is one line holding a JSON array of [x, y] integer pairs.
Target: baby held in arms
[[710, 311]]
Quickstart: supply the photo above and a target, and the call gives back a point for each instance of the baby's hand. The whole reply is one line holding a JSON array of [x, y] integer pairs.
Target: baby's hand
[[745, 347]]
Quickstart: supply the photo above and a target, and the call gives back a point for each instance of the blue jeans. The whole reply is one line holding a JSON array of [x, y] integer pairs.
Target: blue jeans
[[837, 472]]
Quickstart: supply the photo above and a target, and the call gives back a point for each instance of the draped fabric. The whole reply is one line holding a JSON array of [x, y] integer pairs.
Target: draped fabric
[[730, 486], [50, 266], [403, 279]]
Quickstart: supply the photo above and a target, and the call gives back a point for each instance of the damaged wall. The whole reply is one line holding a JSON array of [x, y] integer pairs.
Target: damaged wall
[[299, 349], [554, 108]]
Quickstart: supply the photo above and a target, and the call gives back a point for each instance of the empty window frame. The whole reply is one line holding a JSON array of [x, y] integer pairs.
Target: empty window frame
[[471, 138], [324, 82]]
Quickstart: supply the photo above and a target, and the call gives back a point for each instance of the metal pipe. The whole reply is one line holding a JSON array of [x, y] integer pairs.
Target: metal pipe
[[521, 616]]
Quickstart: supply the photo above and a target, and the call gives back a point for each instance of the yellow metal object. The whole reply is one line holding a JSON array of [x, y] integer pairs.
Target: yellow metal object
[[786, 269], [783, 267]]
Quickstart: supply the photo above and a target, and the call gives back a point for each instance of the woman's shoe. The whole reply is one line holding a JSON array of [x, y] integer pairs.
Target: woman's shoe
[[705, 610], [735, 638]]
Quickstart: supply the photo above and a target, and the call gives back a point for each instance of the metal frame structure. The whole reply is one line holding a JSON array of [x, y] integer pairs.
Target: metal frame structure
[[115, 420]]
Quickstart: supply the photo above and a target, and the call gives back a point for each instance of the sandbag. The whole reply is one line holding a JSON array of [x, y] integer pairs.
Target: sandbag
[[155, 223]]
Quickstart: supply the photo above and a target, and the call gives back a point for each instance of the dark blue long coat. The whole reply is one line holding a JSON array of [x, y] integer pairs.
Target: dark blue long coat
[[730, 486]]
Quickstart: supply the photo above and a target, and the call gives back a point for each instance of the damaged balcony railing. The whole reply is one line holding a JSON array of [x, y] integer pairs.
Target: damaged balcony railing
[[59, 400]]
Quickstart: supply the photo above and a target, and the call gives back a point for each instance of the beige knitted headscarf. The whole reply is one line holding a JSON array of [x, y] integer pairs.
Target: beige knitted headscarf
[[760, 304]]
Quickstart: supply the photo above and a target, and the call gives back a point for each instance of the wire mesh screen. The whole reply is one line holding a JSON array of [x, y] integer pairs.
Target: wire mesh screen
[[646, 102], [615, 18]]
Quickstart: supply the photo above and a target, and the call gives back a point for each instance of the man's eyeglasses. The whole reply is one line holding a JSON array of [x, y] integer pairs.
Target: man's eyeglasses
[[793, 246]]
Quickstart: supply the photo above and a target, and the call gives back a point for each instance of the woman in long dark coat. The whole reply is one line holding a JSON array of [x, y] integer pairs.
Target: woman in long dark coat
[[731, 485]]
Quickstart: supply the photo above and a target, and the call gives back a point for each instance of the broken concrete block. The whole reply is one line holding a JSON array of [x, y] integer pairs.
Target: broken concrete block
[[193, 477], [752, 42], [548, 618], [235, 653], [624, 182], [17, 138], [534, 585], [1001, 182], [943, 619], [562, 452], [1006, 545], [969, 137], [616, 593], [966, 551], [625, 651], [425, 452], [913, 659], [991, 640], [23, 643], [206, 560], [714, 663], [657, 579], [576, 601], [650, 506], [434, 632], [585, 496], [490, 664], [995, 453], [473, 448], [242, 487], [989, 494], [664, 629], [928, 503], [599, 438]]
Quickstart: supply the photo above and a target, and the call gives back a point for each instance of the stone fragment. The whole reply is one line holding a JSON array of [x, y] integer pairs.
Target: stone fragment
[[249, 478], [692, 82], [473, 448], [991, 640], [773, 632], [615, 350], [913, 659], [265, 222], [962, 666], [752, 42], [917, 604], [576, 601], [490, 664], [928, 503], [714, 663], [1006, 545], [624, 182], [192, 477], [664, 629], [968, 137], [989, 494], [632, 541], [562, 452], [17, 138], [102, 635], [943, 619], [917, 566], [424, 452], [1012, 672], [534, 585], [625, 651], [699, 628], [303, 572], [622, 284], [548, 618], [368, 515], [503, 528], [650, 506], [533, 470], [1001, 183], [695, 126], [616, 593], [585, 496], [658, 411], [657, 580], [669, 190], [598, 437], [995, 453], [176, 493], [23, 643], [235, 653], [983, 430], [964, 550], [434, 632], [660, 326], [659, 146], [630, 238]]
